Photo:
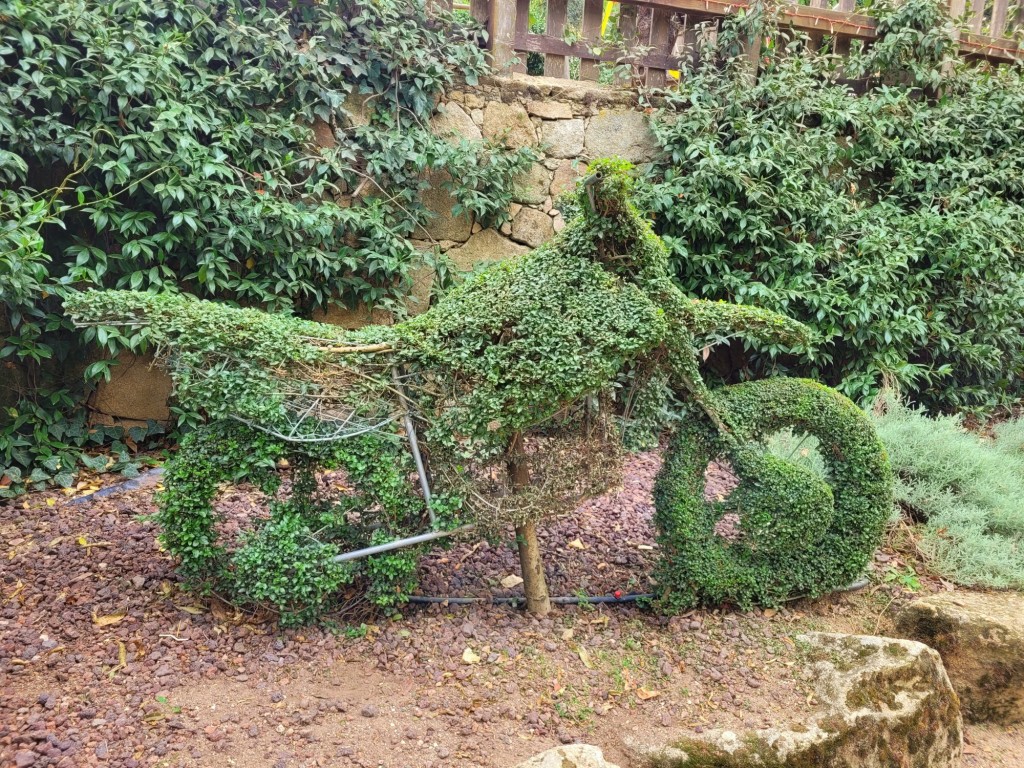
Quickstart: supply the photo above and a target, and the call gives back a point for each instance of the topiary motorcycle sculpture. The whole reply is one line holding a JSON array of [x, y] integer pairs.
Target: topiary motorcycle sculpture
[[502, 398]]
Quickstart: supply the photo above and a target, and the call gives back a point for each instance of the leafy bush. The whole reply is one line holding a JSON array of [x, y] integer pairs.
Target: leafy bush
[[799, 533], [54, 446], [169, 145], [890, 221], [966, 489], [284, 565]]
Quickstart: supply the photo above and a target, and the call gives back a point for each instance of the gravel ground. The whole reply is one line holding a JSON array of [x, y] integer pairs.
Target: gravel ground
[[105, 660]]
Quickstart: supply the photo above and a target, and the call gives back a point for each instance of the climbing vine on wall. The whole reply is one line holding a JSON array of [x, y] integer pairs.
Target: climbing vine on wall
[[169, 145]]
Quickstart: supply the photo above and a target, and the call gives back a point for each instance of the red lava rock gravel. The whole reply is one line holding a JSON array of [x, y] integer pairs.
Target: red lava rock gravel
[[106, 661]]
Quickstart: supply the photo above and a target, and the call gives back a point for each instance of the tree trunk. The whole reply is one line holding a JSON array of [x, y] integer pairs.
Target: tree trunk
[[530, 563]]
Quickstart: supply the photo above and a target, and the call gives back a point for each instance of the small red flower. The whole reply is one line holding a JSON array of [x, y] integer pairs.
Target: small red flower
[[618, 594]]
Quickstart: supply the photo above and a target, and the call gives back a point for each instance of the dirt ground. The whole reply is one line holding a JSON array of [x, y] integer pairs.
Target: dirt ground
[[105, 660]]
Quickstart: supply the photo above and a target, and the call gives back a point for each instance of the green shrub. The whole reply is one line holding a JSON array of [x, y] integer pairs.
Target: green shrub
[[282, 564], [890, 221], [169, 145], [966, 489], [799, 533], [40, 447]]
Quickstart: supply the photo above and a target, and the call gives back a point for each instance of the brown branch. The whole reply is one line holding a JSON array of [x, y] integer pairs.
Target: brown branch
[[385, 346]]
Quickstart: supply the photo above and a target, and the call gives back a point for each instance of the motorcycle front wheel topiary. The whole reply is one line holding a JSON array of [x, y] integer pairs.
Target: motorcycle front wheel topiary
[[799, 533]]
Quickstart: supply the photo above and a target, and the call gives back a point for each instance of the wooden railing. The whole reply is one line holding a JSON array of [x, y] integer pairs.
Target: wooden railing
[[654, 38]]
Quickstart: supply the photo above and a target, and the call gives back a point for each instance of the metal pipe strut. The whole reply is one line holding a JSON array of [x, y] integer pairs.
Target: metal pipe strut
[[414, 445], [400, 543]]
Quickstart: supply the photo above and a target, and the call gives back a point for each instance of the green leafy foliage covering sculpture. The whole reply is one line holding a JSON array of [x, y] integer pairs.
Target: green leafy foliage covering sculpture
[[799, 534], [510, 381]]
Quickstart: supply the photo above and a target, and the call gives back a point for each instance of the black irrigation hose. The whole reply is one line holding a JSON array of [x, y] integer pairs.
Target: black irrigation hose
[[574, 600], [567, 600]]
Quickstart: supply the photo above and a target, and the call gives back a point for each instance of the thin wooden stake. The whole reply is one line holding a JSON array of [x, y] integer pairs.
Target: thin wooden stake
[[531, 564]]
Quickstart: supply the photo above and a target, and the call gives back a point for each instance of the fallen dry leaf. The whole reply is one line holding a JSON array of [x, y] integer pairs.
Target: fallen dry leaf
[[511, 581], [585, 657], [567, 635], [193, 609], [645, 695], [106, 621], [83, 541], [576, 544], [469, 657], [122, 659]]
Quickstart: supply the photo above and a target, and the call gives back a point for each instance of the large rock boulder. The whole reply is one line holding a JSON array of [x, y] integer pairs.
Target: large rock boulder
[[452, 123], [137, 392], [532, 227], [886, 703], [531, 186], [563, 138], [509, 124], [570, 756], [981, 640]]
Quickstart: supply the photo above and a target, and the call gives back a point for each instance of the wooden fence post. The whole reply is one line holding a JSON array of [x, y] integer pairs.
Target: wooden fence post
[[630, 38], [956, 10], [841, 45], [998, 27], [662, 41], [501, 26], [752, 51], [554, 64], [592, 15], [977, 15], [481, 11]]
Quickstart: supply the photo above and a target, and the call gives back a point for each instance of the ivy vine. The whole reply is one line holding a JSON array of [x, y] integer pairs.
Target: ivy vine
[[170, 145]]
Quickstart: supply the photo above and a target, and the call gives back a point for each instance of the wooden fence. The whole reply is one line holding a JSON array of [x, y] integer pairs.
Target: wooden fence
[[656, 37]]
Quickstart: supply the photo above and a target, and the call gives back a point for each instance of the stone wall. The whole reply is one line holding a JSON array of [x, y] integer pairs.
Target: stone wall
[[569, 123]]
